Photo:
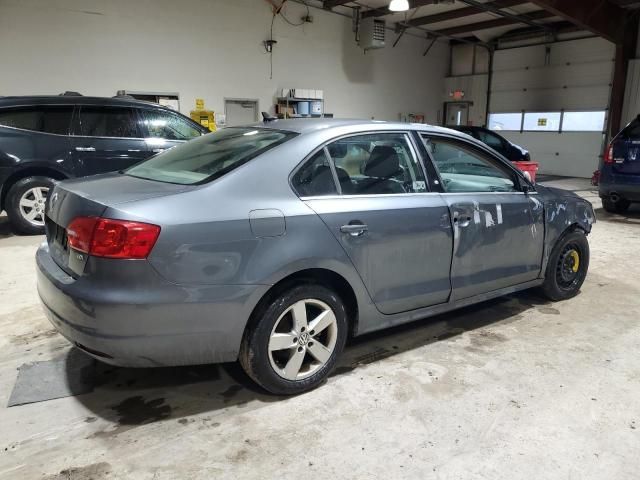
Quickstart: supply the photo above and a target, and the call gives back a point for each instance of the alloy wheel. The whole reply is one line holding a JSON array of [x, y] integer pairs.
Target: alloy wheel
[[32, 204], [303, 339]]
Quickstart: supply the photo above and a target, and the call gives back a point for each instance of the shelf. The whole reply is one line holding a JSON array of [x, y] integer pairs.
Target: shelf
[[296, 99]]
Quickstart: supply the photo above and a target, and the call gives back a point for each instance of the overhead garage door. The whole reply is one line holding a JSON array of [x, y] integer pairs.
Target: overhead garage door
[[558, 95]]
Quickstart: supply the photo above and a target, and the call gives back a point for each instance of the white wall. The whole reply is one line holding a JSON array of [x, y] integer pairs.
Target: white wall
[[475, 91], [211, 49]]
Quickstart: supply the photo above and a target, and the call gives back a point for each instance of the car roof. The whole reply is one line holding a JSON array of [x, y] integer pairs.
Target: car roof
[[311, 125], [74, 100]]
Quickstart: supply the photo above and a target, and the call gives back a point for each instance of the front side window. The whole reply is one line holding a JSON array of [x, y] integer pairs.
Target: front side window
[[462, 169], [376, 163], [48, 119], [118, 122], [169, 126], [210, 156]]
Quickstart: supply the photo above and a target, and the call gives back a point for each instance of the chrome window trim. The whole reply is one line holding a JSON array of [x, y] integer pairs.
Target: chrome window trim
[[395, 195]]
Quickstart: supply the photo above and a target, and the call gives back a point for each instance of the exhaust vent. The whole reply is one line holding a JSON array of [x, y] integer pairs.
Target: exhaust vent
[[372, 31]]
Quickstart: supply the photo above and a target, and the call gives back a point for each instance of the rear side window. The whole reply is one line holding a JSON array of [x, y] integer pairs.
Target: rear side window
[[490, 139], [210, 156], [47, 119], [315, 178], [377, 163], [119, 122], [168, 125]]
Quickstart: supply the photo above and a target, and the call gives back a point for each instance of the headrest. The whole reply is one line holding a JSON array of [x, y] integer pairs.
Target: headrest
[[383, 162]]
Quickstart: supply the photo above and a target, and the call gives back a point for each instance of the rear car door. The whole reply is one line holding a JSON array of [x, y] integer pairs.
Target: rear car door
[[371, 192], [164, 129], [498, 229], [37, 134], [107, 139]]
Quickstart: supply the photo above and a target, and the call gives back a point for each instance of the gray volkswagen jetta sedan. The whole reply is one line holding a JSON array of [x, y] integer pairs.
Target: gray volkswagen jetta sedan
[[271, 244]]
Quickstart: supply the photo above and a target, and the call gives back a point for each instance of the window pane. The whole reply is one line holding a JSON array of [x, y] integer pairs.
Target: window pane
[[381, 163], [108, 122], [463, 170], [490, 139], [505, 121], [210, 156], [583, 121], [57, 119], [315, 178], [542, 122], [27, 118], [168, 126]]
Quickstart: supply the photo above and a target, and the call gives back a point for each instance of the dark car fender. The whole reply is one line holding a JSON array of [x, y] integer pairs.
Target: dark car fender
[[564, 211]]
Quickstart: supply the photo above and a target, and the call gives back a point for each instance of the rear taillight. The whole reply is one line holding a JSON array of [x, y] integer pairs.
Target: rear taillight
[[608, 155], [105, 237]]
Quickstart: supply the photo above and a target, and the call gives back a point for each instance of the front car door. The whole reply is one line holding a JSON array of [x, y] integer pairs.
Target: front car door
[[164, 129], [498, 229], [107, 139], [371, 192]]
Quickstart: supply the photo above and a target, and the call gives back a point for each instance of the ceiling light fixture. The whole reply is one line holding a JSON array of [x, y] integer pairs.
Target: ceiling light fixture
[[399, 5]]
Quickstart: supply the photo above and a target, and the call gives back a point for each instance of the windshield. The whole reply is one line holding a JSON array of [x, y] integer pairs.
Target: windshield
[[210, 156]]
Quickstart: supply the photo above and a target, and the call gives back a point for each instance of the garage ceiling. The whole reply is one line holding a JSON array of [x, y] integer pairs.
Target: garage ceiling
[[486, 20]]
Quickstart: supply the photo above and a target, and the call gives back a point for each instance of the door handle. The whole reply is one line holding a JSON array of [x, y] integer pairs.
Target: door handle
[[85, 149], [354, 229]]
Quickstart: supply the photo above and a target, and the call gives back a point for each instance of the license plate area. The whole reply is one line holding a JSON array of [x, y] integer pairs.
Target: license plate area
[[58, 243]]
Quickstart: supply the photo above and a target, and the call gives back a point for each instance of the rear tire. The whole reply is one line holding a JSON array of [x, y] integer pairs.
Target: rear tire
[[293, 343], [620, 206], [567, 267], [26, 202]]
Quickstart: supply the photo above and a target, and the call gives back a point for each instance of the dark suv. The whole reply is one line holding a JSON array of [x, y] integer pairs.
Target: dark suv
[[49, 138], [619, 183], [509, 150]]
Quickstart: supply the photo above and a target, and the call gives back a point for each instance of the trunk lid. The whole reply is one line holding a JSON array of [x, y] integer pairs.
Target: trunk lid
[[90, 197], [626, 150]]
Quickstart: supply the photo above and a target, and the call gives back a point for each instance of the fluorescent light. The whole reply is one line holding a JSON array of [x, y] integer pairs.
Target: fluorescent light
[[399, 5], [252, 132]]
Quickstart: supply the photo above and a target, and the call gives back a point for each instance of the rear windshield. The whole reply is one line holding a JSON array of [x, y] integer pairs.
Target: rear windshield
[[210, 156], [632, 130]]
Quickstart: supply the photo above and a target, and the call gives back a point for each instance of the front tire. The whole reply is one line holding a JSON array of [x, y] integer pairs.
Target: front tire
[[26, 202], [620, 206], [293, 343], [567, 267]]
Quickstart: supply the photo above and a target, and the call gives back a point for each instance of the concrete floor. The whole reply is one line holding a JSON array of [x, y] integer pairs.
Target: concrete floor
[[514, 388]]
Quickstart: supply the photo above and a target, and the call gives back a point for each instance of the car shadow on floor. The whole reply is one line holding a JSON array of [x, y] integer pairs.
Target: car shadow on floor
[[631, 216], [129, 397], [5, 227]]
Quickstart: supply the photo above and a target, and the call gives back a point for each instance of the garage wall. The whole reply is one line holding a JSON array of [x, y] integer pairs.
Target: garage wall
[[211, 49], [572, 75]]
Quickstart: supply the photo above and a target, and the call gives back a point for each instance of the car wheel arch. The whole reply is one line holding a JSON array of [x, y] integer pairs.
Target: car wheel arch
[[31, 171], [320, 276]]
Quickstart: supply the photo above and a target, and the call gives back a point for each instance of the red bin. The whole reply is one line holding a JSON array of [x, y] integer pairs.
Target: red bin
[[529, 168]]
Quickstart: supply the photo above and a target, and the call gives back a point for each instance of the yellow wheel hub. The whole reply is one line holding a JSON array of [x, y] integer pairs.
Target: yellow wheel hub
[[576, 260]]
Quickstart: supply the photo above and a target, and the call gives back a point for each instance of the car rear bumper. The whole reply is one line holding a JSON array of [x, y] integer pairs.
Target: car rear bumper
[[626, 186], [177, 325]]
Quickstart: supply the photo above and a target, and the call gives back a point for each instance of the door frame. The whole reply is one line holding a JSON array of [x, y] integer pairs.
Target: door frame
[[256, 101], [446, 110]]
